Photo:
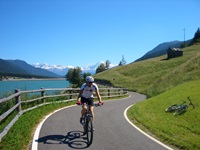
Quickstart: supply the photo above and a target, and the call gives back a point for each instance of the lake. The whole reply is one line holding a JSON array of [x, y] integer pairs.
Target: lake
[[11, 85]]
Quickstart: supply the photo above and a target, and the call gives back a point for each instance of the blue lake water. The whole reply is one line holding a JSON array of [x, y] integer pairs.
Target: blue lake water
[[11, 85]]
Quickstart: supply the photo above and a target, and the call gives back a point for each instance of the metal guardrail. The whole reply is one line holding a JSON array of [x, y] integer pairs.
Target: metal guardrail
[[66, 95]]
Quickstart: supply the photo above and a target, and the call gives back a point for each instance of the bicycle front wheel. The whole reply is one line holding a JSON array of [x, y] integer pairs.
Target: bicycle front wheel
[[89, 131]]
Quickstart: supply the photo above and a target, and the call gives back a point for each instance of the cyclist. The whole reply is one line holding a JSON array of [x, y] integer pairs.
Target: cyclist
[[86, 96]]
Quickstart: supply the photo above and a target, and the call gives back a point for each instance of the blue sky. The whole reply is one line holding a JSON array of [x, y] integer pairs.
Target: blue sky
[[82, 32]]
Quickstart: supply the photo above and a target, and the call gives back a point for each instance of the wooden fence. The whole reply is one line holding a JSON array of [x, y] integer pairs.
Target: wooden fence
[[18, 102]]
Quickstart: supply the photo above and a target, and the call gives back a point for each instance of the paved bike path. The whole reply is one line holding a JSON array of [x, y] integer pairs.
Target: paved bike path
[[62, 130]]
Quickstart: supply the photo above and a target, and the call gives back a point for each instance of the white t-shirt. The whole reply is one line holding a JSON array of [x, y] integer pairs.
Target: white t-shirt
[[88, 91]]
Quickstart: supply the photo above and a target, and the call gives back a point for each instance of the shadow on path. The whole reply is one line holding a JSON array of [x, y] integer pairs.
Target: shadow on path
[[74, 139]]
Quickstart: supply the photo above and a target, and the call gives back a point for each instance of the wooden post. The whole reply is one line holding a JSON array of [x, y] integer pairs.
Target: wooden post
[[124, 91], [70, 96], [119, 91], [108, 93], [42, 95], [18, 100]]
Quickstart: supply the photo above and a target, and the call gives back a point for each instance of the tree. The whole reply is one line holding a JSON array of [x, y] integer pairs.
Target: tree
[[85, 75], [196, 37], [74, 76], [101, 68], [69, 74], [123, 61], [76, 79], [107, 64]]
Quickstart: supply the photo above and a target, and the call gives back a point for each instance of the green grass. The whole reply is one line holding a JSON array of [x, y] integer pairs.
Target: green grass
[[154, 76], [165, 82], [181, 131], [21, 134]]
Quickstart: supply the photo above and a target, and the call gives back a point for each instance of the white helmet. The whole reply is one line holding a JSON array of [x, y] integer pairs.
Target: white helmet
[[89, 79]]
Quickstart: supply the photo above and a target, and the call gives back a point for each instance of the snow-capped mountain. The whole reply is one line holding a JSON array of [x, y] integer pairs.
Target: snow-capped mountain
[[58, 69], [62, 70]]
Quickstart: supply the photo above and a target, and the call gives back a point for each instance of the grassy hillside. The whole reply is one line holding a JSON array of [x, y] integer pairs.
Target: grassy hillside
[[156, 75], [165, 82], [181, 131]]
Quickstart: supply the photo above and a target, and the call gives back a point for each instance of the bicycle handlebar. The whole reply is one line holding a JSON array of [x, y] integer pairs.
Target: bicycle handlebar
[[191, 102], [98, 104], [79, 103]]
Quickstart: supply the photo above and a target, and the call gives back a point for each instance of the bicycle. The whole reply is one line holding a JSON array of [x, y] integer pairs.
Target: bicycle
[[173, 107], [179, 109], [88, 124]]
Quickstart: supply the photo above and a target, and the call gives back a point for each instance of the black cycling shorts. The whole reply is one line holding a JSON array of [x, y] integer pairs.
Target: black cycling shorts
[[89, 101]]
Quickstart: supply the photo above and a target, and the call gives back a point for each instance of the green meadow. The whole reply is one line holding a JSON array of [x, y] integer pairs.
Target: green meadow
[[165, 82]]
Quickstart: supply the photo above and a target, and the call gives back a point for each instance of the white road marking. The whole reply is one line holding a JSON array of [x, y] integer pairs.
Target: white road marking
[[155, 140], [37, 131]]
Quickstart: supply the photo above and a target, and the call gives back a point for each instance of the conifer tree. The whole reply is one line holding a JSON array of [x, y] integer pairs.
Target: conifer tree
[[123, 61], [196, 36]]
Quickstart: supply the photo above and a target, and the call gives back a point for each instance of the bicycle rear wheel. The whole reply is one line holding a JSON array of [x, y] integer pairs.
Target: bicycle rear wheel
[[84, 125], [171, 108], [89, 131]]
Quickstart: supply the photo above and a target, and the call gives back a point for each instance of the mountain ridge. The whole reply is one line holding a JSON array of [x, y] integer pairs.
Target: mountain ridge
[[162, 48], [20, 67], [62, 70], [159, 50]]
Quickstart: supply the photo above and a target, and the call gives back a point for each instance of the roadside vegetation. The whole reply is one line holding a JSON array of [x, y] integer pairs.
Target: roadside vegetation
[[157, 75], [21, 134], [181, 131], [165, 82]]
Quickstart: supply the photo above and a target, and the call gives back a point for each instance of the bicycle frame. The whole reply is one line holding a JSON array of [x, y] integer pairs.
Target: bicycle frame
[[183, 108], [87, 115], [179, 109], [88, 124]]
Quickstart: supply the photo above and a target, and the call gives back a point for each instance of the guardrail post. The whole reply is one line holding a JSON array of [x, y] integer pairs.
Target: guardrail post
[[108, 93], [124, 91], [119, 91], [42, 95], [18, 100], [70, 96]]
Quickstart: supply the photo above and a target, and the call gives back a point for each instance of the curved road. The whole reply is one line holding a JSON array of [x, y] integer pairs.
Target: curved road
[[62, 130]]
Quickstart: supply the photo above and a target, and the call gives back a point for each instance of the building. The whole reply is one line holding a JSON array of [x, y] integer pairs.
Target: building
[[174, 52]]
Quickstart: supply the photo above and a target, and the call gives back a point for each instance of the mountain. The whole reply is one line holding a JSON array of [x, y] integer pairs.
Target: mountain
[[8, 67], [57, 69], [21, 67], [92, 68], [161, 49], [62, 70]]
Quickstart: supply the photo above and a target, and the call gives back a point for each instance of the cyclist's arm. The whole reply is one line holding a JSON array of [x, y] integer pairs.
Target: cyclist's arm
[[98, 95], [79, 96]]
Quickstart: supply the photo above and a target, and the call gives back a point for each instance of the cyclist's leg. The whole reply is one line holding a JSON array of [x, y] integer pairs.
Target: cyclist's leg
[[84, 106], [91, 104], [92, 112], [84, 109]]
